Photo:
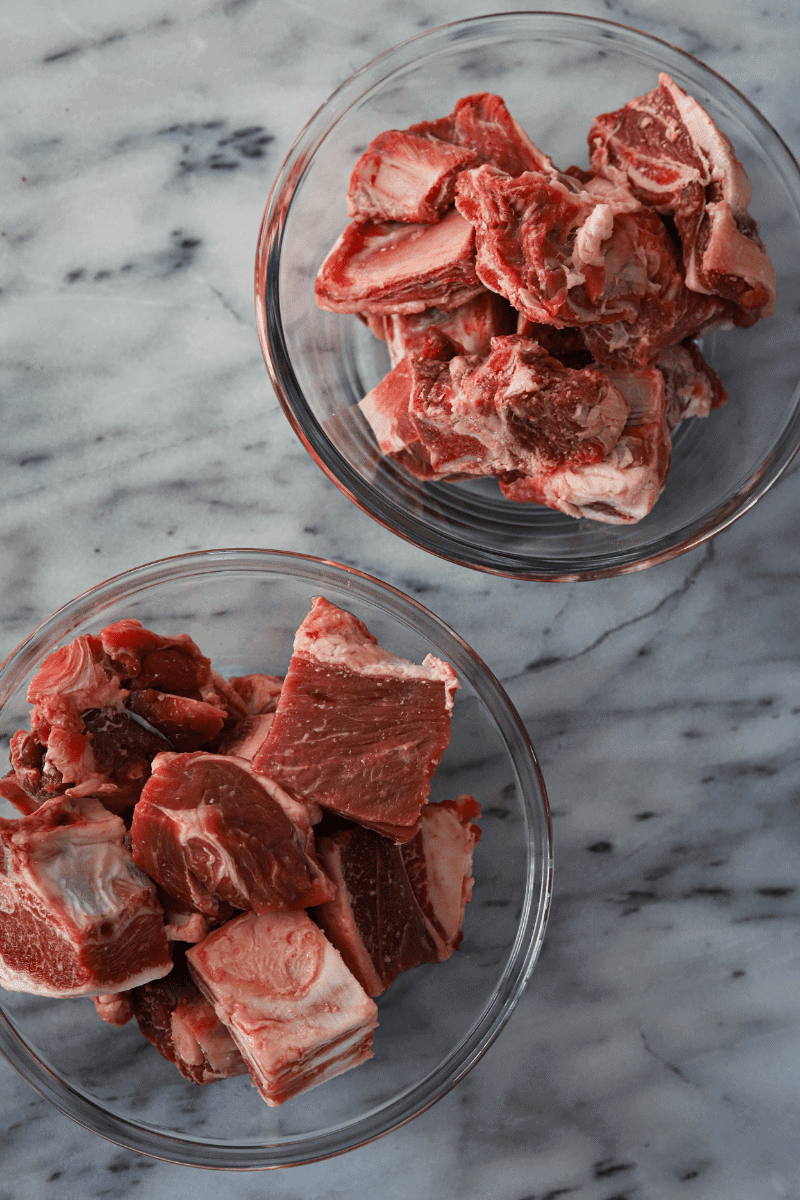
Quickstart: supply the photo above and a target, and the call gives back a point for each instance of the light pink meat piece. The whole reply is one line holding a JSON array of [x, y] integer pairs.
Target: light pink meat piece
[[438, 863], [667, 149], [625, 485], [357, 729], [405, 176], [481, 122], [394, 267], [520, 409], [115, 1008], [471, 327], [374, 920], [692, 387], [207, 829], [173, 1014], [259, 693], [14, 793], [296, 1013], [77, 917]]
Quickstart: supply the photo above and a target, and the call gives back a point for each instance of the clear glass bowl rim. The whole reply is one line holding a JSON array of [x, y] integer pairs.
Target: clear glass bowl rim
[[308, 429], [308, 1148]]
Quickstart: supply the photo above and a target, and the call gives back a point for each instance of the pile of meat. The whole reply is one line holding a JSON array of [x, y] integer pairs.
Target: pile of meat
[[541, 323], [242, 863]]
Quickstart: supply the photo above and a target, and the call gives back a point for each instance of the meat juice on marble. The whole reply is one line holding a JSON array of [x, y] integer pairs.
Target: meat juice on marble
[[506, 289], [278, 863]]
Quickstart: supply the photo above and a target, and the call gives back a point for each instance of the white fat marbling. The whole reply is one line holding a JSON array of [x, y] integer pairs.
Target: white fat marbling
[[656, 1053]]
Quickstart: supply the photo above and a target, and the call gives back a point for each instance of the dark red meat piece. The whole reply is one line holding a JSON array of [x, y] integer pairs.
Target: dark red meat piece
[[692, 387], [482, 123], [357, 729], [207, 830], [470, 327]]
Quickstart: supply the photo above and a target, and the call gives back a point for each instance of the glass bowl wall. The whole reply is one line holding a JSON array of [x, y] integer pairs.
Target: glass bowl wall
[[242, 607], [556, 72]]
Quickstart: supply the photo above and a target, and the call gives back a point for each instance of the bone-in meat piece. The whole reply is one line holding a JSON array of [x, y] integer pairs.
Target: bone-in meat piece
[[471, 327], [207, 829], [358, 729], [392, 267], [667, 149], [625, 485], [296, 1013], [404, 176], [520, 409], [77, 917]]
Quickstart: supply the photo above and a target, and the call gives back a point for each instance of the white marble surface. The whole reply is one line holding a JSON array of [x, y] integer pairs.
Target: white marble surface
[[656, 1053]]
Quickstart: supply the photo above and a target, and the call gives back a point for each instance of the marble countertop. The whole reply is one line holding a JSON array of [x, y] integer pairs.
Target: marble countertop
[[656, 1052]]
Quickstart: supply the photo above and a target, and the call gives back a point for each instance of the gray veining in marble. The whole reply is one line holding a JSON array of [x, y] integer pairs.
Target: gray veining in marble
[[656, 1053]]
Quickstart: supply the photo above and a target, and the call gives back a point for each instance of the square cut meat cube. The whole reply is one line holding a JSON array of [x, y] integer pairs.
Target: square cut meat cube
[[396, 267], [405, 176], [208, 830], [623, 486], [296, 1013], [176, 1018], [666, 148], [358, 730], [77, 917]]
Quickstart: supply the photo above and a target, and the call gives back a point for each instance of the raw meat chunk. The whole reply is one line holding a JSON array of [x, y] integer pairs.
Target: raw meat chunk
[[471, 327], [374, 920], [481, 122], [115, 1008], [561, 254], [667, 149], [296, 1013], [77, 917], [567, 345], [438, 862], [207, 829], [11, 791], [692, 387], [406, 176], [625, 485], [393, 267], [246, 737], [174, 1015], [520, 409], [357, 729]]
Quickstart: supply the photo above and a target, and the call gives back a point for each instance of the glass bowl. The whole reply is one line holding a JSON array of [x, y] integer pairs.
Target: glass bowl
[[242, 607], [555, 72]]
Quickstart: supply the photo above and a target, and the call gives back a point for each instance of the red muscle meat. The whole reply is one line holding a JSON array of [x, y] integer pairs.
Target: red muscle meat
[[667, 149], [207, 830], [393, 267], [374, 920], [259, 693], [520, 409], [357, 729], [296, 1013], [77, 917], [625, 485], [404, 176], [177, 1019]]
